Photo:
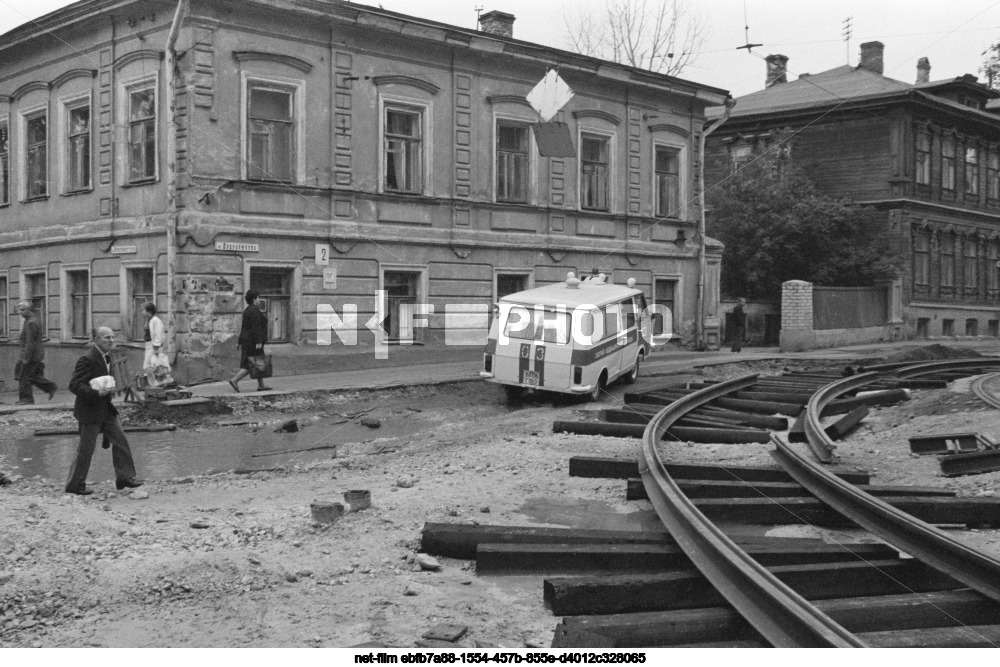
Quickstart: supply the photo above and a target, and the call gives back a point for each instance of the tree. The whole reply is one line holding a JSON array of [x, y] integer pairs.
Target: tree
[[776, 226], [657, 35], [991, 66]]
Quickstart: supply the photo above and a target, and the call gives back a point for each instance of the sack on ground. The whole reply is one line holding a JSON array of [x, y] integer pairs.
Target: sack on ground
[[260, 366]]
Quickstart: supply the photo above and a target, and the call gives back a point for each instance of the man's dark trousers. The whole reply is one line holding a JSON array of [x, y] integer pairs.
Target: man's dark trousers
[[121, 455], [33, 373]]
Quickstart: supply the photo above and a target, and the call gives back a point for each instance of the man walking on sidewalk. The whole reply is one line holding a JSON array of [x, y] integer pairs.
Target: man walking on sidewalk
[[739, 322], [96, 414], [30, 370]]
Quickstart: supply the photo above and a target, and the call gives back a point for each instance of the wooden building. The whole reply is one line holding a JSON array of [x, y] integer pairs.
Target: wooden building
[[925, 154]]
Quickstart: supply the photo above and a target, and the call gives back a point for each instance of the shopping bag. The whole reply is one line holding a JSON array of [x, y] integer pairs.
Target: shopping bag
[[260, 366]]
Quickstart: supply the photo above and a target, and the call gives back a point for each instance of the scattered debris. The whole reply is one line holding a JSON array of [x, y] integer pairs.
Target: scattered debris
[[371, 422], [446, 632], [290, 426], [358, 499], [324, 511], [427, 562], [406, 481]]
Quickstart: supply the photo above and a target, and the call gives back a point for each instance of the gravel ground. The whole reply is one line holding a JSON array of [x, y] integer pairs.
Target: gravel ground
[[228, 560]]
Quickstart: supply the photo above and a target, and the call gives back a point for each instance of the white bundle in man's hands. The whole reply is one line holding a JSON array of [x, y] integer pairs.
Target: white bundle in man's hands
[[102, 383]]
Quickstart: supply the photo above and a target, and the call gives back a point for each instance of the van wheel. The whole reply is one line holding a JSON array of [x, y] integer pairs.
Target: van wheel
[[633, 374], [598, 390], [514, 394]]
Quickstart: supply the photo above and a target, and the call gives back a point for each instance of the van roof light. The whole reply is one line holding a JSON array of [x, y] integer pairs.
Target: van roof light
[[571, 281], [631, 283]]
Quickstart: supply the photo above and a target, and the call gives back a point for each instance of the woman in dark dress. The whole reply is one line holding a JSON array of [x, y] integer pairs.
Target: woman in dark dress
[[253, 335]]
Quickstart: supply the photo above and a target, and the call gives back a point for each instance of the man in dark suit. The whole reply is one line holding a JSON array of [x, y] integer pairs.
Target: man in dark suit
[[96, 414]]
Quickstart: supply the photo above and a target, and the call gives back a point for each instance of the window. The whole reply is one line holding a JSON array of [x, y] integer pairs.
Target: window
[[948, 164], [923, 154], [34, 291], [509, 283], [141, 133], [77, 304], [401, 297], [993, 176], [140, 286], [78, 149], [275, 288], [971, 327], [971, 269], [668, 194], [36, 156], [971, 171], [947, 327], [547, 326], [663, 295], [923, 327], [992, 270], [4, 309], [993, 328], [947, 260], [512, 162], [4, 165], [741, 156], [270, 134], [403, 150], [594, 172], [921, 259]]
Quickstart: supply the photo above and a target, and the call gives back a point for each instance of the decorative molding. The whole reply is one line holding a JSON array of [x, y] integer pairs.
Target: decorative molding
[[72, 74], [141, 54], [673, 129], [29, 87], [556, 255], [403, 80], [343, 247], [291, 61], [508, 99], [461, 253], [597, 113], [632, 261]]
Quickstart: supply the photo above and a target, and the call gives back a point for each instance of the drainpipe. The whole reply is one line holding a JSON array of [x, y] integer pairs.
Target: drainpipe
[[700, 316], [170, 64]]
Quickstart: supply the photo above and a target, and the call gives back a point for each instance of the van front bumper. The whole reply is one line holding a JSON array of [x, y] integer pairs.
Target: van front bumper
[[584, 389]]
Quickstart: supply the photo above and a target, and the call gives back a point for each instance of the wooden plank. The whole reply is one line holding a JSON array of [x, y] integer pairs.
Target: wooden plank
[[862, 614], [155, 428], [527, 558], [695, 489], [934, 510], [843, 426], [688, 589], [609, 468], [970, 636]]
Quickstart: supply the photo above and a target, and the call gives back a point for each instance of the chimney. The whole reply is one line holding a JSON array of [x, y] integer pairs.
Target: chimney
[[871, 56], [776, 70], [496, 23], [923, 70]]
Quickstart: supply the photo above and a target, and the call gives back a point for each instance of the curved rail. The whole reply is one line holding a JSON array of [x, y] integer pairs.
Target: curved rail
[[780, 614], [820, 443], [932, 367], [907, 533], [984, 394]]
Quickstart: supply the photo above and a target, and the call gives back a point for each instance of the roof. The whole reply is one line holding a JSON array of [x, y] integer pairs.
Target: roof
[[560, 294], [840, 85]]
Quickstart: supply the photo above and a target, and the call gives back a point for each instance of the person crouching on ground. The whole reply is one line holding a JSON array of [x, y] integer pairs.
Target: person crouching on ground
[[153, 335], [253, 335], [96, 414], [30, 369]]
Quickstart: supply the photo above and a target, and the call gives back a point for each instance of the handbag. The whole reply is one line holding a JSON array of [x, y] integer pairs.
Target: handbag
[[260, 366]]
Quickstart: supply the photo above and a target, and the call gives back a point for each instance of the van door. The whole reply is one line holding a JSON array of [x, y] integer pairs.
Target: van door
[[613, 327]]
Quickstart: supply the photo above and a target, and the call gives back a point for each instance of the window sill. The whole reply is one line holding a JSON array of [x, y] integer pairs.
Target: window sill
[[35, 199], [82, 191], [139, 184]]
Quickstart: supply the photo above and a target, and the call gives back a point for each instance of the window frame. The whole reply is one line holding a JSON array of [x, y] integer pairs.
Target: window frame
[[948, 174], [67, 105], [531, 164], [609, 141], [4, 307], [971, 171], [970, 264], [922, 158], [921, 258], [67, 274], [294, 296], [406, 105], [5, 163], [740, 155], [947, 260], [27, 274], [993, 174], [297, 90], [131, 316], [682, 201], [26, 116], [127, 87]]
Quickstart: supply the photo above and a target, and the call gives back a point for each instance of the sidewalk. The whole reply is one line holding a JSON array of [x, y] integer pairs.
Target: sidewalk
[[463, 365]]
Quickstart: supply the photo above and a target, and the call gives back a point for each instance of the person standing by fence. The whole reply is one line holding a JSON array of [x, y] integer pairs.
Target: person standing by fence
[[30, 370], [739, 322]]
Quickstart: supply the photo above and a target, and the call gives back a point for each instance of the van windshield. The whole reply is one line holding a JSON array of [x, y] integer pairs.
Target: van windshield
[[538, 324]]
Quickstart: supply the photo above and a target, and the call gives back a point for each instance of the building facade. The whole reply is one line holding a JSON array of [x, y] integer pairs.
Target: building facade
[[926, 155], [337, 158]]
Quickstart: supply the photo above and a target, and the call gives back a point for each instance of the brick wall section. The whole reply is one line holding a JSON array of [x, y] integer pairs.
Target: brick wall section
[[796, 306]]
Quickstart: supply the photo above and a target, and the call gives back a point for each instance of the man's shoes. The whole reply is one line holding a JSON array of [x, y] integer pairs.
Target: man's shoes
[[264, 389], [128, 483], [235, 386], [25, 403], [80, 492], [51, 394]]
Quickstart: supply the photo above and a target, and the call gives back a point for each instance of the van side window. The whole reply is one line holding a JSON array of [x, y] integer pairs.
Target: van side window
[[519, 325], [587, 324], [631, 313], [611, 320]]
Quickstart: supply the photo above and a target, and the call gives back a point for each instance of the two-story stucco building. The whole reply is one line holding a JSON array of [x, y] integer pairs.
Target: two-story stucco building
[[925, 154], [329, 155]]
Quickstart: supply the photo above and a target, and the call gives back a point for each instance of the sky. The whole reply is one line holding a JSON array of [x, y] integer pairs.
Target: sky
[[952, 34]]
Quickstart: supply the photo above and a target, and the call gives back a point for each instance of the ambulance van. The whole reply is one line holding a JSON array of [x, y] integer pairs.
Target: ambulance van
[[574, 337]]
